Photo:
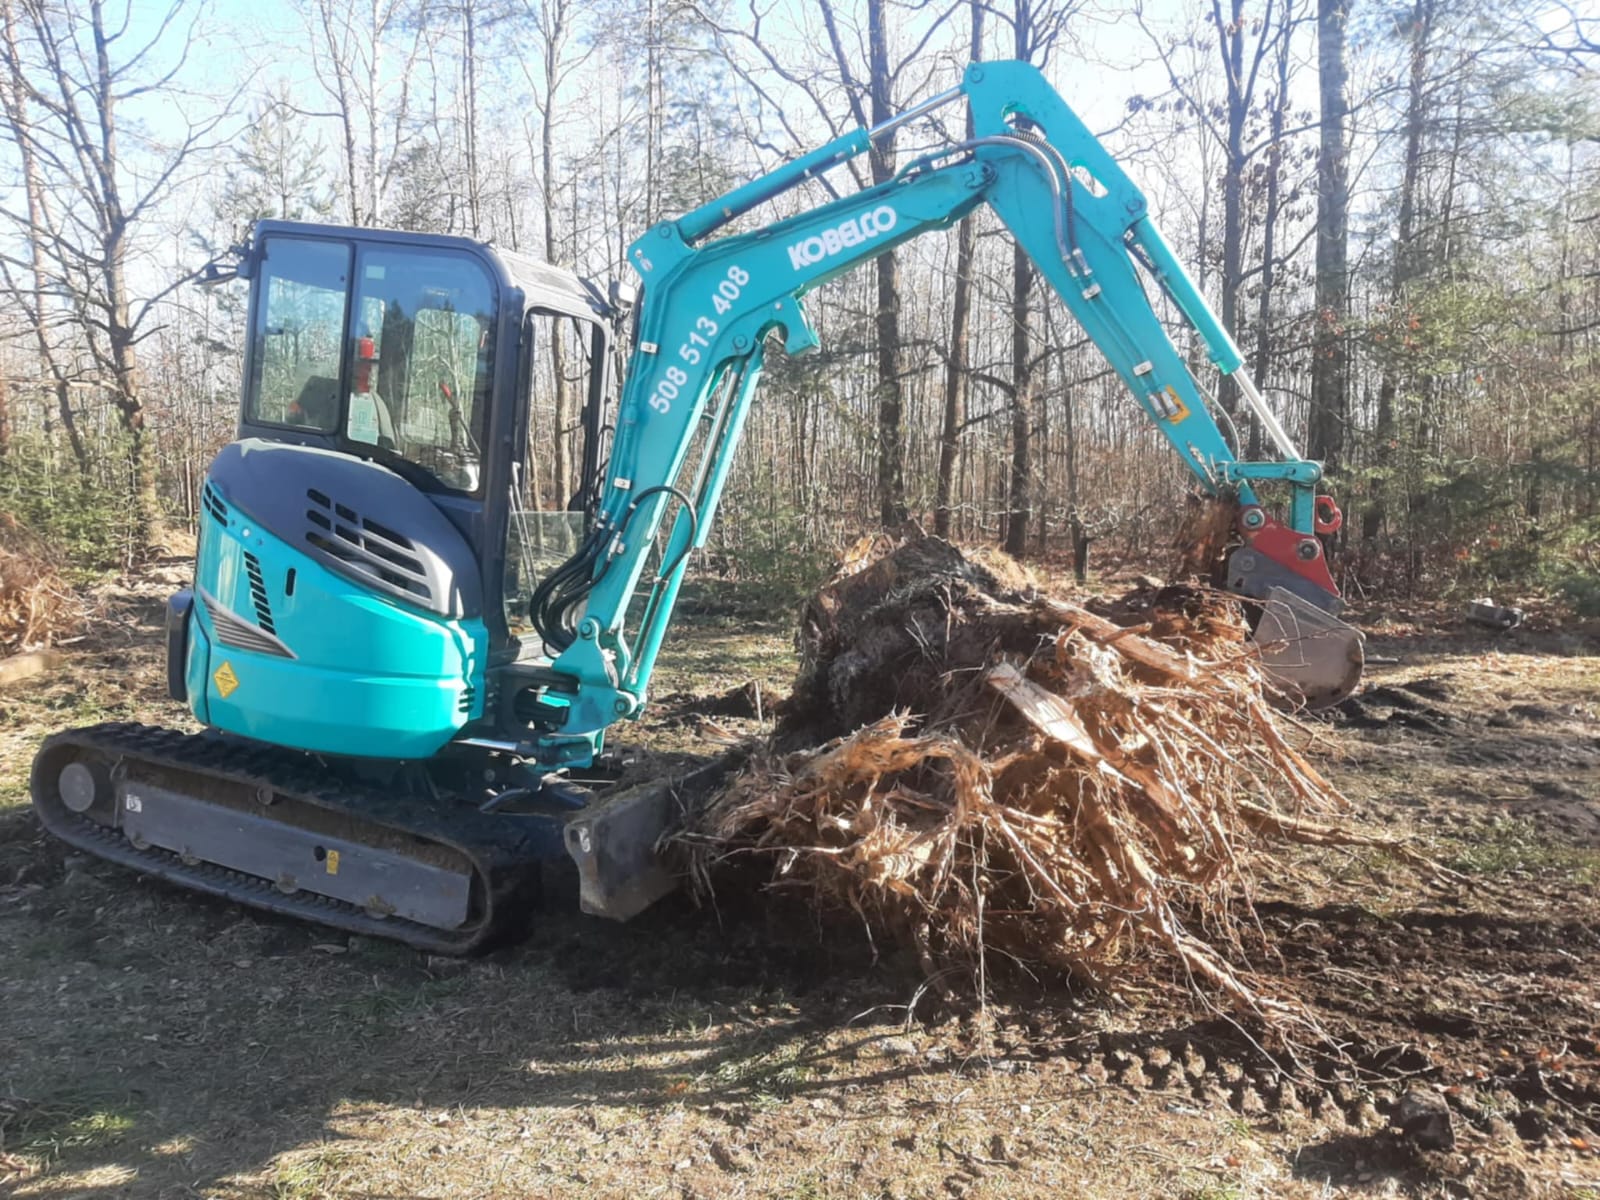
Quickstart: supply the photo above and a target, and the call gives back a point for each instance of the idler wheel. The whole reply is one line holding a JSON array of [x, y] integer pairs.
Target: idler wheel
[[82, 785]]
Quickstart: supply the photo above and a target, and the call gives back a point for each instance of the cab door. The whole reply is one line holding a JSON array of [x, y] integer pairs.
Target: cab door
[[565, 442]]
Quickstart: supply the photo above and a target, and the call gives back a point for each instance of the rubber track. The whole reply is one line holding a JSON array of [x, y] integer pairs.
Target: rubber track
[[504, 851]]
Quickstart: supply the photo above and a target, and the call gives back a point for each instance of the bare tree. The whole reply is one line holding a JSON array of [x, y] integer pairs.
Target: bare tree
[[547, 74], [1275, 164], [869, 83], [1325, 433], [956, 367], [1035, 27], [871, 103], [1243, 44], [1420, 30], [35, 219], [371, 100], [76, 68]]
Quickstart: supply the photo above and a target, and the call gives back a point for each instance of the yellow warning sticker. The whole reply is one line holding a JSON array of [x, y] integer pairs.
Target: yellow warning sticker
[[1180, 409], [332, 862], [225, 680]]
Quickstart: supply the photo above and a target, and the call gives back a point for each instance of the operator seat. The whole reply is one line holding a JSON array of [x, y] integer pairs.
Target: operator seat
[[317, 405]]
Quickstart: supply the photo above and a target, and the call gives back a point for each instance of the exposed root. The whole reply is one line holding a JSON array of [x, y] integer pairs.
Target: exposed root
[[37, 606], [1074, 793]]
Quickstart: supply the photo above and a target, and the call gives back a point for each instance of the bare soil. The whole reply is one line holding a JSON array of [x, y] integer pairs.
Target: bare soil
[[160, 1044]]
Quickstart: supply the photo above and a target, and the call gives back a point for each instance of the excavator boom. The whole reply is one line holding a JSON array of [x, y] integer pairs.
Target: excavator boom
[[710, 304]]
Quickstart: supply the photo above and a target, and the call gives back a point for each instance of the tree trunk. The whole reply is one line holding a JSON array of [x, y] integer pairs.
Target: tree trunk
[[371, 103], [1384, 431], [1269, 226], [955, 380], [1019, 499], [652, 114], [1019, 509], [120, 333], [334, 46], [470, 84], [16, 109], [1230, 36], [1075, 524], [1330, 369], [561, 469], [891, 401]]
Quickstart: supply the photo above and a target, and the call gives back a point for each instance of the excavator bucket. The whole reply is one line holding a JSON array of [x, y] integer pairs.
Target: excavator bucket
[[1312, 655]]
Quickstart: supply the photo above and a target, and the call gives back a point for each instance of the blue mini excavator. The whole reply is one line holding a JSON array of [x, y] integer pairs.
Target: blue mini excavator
[[406, 670]]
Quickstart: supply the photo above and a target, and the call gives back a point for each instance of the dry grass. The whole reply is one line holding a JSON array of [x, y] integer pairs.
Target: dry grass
[[37, 605]]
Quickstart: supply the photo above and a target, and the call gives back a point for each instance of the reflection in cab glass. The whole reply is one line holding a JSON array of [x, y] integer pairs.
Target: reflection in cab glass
[[299, 335], [403, 366]]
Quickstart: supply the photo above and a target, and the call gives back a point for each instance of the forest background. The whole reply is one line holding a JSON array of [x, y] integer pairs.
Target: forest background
[[1395, 207]]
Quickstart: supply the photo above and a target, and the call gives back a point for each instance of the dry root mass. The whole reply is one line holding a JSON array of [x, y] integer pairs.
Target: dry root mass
[[1006, 779], [37, 605]]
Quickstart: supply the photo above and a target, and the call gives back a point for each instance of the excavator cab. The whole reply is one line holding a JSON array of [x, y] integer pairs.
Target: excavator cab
[[356, 643], [396, 438]]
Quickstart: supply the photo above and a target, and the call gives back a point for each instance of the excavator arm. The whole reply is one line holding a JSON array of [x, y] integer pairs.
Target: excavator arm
[[710, 303]]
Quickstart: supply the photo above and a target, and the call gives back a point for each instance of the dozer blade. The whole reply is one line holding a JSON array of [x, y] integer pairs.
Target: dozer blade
[[1312, 655], [616, 842]]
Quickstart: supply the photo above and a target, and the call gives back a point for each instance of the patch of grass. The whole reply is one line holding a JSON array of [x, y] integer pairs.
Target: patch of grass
[[310, 1176], [1512, 845], [388, 1004], [809, 1185], [1213, 1189], [13, 793], [1238, 1127], [772, 1074], [679, 1020], [52, 1129]]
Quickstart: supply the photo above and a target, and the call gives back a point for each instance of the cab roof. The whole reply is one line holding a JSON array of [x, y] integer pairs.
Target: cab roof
[[543, 286]]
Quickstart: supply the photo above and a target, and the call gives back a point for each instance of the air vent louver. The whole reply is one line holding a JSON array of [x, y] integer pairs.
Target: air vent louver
[[258, 593], [233, 630], [213, 504], [367, 548]]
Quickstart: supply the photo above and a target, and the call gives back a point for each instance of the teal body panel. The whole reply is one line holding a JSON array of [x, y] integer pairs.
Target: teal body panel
[[1104, 294], [197, 669], [368, 677], [707, 311]]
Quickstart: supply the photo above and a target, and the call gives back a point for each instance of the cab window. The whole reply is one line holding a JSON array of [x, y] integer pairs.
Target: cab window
[[548, 520], [299, 334], [422, 345]]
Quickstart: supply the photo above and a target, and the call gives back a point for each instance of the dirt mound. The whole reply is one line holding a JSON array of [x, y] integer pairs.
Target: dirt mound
[[999, 777]]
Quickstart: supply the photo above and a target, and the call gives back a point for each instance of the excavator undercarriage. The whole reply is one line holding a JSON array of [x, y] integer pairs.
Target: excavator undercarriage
[[369, 848]]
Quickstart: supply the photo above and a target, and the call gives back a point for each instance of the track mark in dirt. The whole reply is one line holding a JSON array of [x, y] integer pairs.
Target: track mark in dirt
[[1499, 1012]]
